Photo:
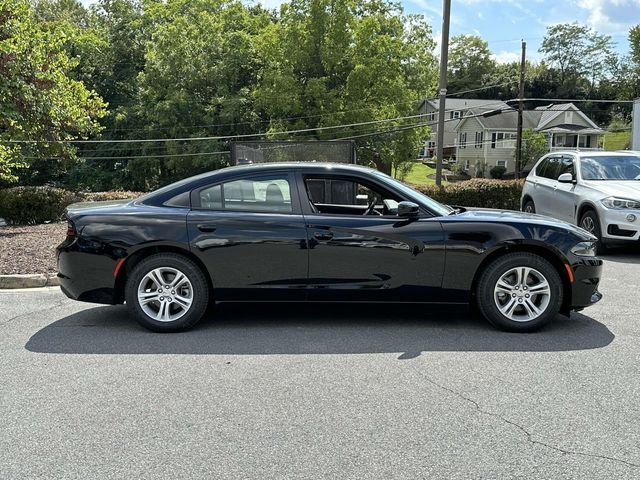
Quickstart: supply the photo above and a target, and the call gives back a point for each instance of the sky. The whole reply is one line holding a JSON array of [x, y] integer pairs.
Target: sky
[[503, 23]]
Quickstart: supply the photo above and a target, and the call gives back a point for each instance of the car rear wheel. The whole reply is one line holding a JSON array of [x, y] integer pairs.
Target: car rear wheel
[[529, 207], [519, 292], [167, 293], [591, 223]]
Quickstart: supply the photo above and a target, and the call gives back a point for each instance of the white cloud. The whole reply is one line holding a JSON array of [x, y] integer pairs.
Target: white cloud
[[506, 56], [611, 16]]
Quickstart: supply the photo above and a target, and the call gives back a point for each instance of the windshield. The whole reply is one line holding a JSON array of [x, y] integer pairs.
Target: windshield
[[614, 167], [436, 207]]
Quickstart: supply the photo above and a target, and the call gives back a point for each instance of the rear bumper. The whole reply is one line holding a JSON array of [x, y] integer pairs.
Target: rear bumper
[[586, 279], [86, 276]]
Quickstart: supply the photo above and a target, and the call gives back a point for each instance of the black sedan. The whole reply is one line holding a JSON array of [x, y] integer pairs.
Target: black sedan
[[320, 233]]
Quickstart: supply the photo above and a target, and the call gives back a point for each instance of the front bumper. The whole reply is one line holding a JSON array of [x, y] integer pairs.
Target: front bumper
[[586, 279], [616, 226]]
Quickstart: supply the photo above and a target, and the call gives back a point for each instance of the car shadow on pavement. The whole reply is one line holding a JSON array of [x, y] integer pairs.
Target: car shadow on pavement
[[262, 329]]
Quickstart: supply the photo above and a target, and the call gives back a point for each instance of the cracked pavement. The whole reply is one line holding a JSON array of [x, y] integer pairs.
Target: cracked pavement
[[291, 391]]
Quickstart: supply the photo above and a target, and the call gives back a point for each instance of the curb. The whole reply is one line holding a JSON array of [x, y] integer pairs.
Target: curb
[[28, 281]]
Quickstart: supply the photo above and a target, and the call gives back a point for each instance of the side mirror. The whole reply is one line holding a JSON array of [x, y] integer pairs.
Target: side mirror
[[408, 209], [566, 178]]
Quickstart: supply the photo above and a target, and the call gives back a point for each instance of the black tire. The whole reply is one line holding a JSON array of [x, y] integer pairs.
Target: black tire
[[597, 229], [199, 291], [529, 207], [487, 302]]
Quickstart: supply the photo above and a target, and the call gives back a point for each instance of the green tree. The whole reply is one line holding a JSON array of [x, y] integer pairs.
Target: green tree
[[200, 70], [348, 61], [39, 102], [534, 146], [580, 54], [470, 63]]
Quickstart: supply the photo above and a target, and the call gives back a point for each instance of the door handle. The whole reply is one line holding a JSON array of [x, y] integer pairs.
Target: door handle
[[323, 235], [207, 227]]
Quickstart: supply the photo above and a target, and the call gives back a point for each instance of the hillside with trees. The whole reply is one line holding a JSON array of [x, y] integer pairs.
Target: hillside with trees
[[139, 71]]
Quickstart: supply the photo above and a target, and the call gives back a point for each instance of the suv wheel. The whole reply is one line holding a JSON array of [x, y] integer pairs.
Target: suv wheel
[[519, 292], [529, 207], [590, 222], [167, 293]]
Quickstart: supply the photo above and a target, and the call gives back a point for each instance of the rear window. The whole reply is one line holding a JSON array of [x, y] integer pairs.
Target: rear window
[[271, 194]]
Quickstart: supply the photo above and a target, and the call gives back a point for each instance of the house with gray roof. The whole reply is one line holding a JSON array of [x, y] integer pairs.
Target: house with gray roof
[[455, 110], [485, 139]]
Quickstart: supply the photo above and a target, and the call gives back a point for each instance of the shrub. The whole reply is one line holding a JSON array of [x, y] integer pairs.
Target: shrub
[[478, 192], [105, 196], [33, 205], [497, 172]]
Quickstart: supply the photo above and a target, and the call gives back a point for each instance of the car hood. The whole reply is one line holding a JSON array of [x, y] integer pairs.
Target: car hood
[[616, 188], [511, 216]]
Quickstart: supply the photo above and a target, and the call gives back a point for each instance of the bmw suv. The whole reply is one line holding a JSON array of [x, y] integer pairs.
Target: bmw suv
[[598, 191]]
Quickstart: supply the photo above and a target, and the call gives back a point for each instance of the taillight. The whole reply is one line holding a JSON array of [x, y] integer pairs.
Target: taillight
[[71, 229]]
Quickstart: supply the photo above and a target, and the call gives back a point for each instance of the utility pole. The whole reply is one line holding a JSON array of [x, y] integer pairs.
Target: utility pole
[[442, 86], [635, 125], [520, 109]]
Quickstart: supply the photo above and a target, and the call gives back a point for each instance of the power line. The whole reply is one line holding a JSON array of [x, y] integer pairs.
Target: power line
[[566, 100]]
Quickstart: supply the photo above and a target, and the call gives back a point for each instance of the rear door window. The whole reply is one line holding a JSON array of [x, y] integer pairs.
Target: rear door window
[[263, 194]]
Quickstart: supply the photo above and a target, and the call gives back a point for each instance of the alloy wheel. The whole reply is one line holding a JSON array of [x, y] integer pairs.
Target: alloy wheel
[[165, 294], [588, 224], [522, 294]]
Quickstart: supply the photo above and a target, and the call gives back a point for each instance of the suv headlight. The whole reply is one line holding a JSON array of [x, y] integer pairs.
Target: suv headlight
[[619, 203], [584, 249]]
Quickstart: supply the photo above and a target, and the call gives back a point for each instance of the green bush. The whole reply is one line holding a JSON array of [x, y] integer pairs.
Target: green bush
[[108, 196], [33, 205], [497, 172], [478, 192]]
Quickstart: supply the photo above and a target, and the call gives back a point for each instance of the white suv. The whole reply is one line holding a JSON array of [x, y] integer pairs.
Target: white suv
[[599, 191]]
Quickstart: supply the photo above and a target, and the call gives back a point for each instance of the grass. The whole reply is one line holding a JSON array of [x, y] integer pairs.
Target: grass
[[418, 175], [616, 140]]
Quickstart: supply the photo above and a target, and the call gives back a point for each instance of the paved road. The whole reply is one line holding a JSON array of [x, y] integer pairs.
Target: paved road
[[281, 392]]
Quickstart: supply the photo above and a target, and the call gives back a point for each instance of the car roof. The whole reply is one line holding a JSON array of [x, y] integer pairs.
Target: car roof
[[293, 166], [594, 153]]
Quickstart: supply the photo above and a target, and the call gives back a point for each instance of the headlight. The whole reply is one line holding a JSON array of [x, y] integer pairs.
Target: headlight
[[619, 203], [584, 249]]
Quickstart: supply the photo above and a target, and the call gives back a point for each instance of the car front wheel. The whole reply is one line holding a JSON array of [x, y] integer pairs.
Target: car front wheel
[[519, 292], [167, 293], [590, 222]]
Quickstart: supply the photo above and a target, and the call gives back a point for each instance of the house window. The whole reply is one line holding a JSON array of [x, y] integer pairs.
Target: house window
[[463, 140], [503, 140], [455, 114], [501, 163], [431, 116], [466, 164], [431, 145], [584, 141], [568, 117], [479, 138]]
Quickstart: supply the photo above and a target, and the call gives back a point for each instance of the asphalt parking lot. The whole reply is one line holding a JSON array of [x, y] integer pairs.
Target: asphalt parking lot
[[320, 392]]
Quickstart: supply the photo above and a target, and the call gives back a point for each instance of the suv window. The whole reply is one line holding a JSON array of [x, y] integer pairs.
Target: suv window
[[549, 168], [566, 166], [264, 194]]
